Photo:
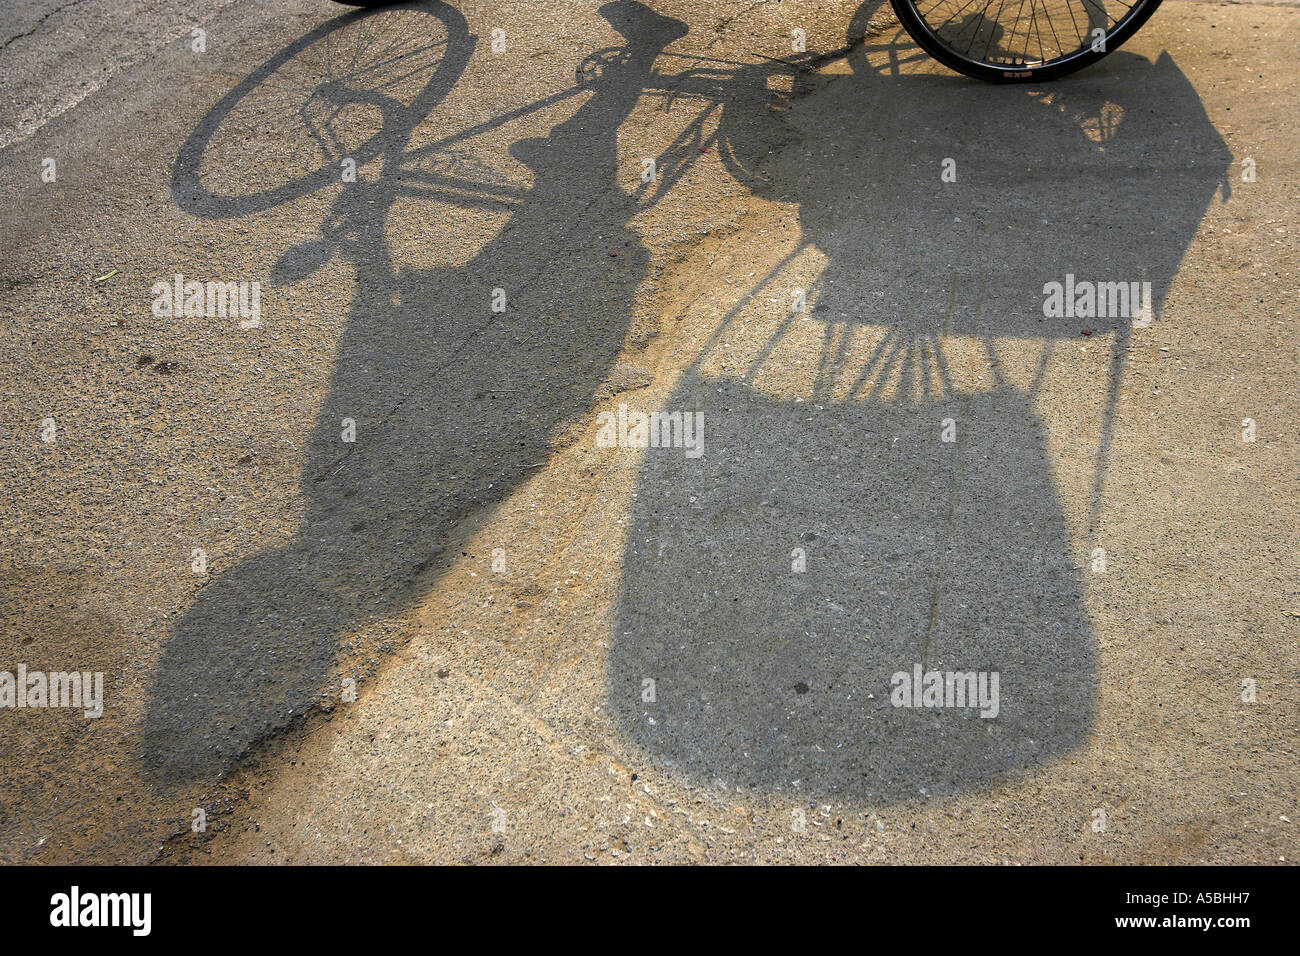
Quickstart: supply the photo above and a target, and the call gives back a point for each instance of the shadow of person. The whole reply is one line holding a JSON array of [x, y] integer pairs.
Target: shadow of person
[[780, 592], [450, 402]]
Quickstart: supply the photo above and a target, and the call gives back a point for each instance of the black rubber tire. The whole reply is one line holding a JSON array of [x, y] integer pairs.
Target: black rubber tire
[[928, 41]]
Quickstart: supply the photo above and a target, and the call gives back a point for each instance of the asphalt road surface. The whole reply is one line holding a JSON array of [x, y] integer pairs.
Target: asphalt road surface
[[328, 343]]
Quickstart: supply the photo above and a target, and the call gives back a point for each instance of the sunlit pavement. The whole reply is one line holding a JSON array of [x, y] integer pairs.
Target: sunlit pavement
[[374, 570]]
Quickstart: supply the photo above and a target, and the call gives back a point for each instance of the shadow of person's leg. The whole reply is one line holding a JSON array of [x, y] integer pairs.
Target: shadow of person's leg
[[450, 404]]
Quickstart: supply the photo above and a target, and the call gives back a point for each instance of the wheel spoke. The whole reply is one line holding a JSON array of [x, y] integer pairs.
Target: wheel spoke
[[1023, 33]]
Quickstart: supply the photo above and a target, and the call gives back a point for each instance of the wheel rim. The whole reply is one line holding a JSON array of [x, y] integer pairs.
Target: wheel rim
[[1025, 34]]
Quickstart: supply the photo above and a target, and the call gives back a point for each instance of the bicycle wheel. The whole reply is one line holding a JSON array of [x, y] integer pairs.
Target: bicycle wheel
[[283, 131], [1014, 41]]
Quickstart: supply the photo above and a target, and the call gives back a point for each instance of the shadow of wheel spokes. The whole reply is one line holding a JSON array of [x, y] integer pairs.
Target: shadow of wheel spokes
[[355, 87]]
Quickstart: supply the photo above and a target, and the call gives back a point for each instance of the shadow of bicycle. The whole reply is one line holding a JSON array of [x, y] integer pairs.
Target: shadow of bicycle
[[451, 402], [917, 550]]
